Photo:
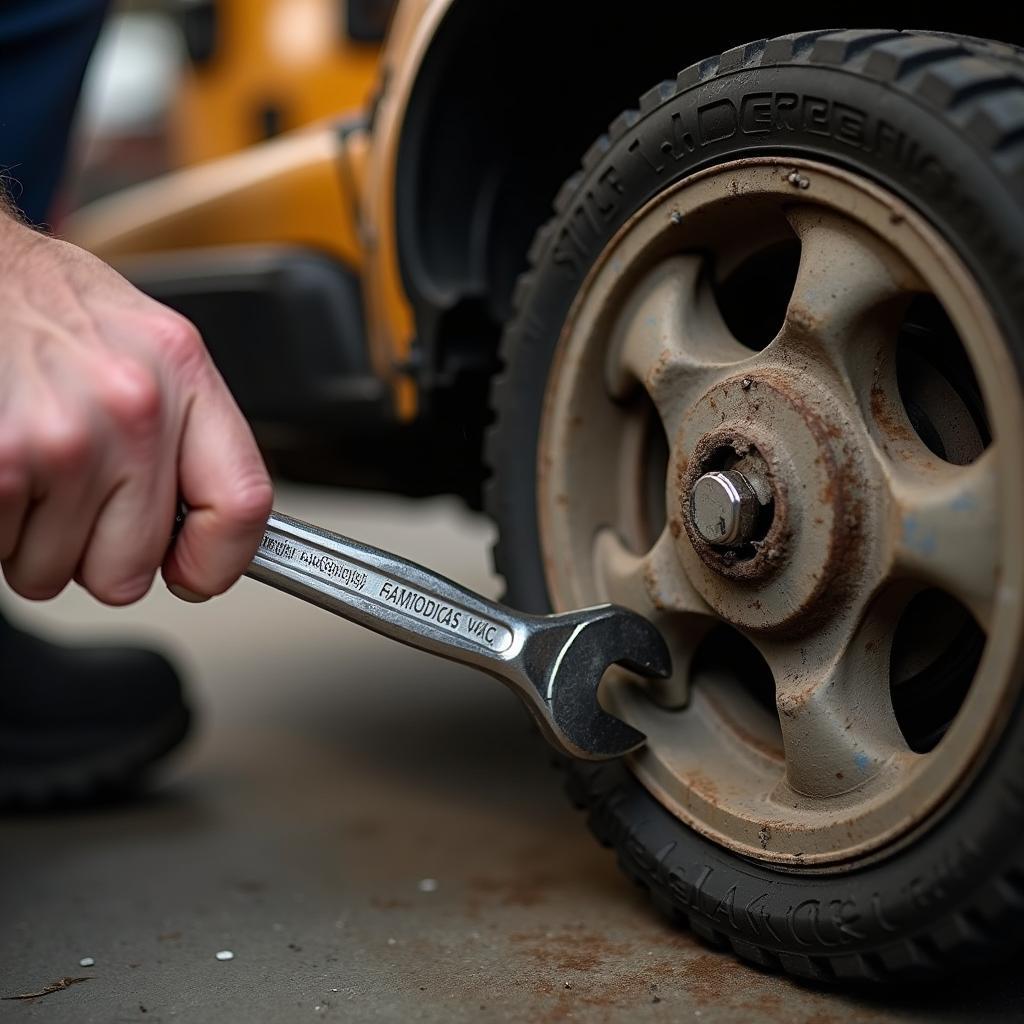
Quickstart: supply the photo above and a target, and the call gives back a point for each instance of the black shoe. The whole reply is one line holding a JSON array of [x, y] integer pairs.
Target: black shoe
[[78, 724]]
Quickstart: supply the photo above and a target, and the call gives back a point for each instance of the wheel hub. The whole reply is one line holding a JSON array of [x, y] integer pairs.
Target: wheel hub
[[799, 445]]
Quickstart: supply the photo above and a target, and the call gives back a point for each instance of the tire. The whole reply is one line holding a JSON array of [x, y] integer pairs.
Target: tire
[[954, 110]]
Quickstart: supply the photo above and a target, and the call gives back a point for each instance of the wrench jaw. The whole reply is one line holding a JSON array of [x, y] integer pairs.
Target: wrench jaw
[[566, 659]]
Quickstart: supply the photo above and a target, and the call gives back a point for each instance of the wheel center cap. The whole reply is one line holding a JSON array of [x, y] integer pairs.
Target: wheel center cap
[[770, 482]]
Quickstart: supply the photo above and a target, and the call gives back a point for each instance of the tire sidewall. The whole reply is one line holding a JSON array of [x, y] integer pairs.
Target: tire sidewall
[[830, 115]]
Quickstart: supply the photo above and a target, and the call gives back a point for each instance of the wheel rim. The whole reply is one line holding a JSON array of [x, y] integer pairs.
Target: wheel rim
[[888, 493]]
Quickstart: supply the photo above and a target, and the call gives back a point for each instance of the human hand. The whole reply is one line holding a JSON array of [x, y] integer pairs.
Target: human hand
[[110, 409]]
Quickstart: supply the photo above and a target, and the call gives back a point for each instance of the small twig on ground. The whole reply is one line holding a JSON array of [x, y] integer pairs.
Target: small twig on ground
[[56, 986]]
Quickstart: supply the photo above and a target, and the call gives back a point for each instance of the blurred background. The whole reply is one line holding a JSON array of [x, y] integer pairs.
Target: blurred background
[[176, 82]]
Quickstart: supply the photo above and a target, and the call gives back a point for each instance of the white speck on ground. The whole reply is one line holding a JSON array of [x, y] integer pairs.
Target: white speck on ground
[[87, 961], [225, 954], [428, 885]]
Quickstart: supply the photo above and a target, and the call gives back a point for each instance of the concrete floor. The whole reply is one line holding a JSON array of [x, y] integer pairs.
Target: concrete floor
[[334, 775]]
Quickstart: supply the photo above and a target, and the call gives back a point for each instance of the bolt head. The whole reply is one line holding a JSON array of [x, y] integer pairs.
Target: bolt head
[[724, 508]]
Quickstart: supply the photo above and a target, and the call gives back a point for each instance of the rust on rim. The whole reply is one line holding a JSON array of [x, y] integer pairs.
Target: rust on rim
[[786, 732]]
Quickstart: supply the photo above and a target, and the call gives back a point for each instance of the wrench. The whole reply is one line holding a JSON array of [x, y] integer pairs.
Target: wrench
[[553, 662]]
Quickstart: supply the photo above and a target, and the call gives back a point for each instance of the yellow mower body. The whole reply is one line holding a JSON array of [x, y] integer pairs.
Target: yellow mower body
[[324, 185]]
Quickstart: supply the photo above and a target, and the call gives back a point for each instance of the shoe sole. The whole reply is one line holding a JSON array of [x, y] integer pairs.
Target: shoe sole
[[120, 768]]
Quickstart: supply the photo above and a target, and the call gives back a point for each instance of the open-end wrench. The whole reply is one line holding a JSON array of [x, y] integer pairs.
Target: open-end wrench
[[554, 662]]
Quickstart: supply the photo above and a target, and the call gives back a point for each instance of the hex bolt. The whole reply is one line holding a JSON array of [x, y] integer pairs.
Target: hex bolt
[[724, 508]]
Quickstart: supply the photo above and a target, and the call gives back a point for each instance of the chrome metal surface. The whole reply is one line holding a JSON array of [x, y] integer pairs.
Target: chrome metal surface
[[553, 662], [724, 508]]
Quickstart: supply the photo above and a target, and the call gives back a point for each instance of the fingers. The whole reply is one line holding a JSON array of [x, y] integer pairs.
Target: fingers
[[133, 527], [226, 486], [48, 541], [102, 491], [128, 542]]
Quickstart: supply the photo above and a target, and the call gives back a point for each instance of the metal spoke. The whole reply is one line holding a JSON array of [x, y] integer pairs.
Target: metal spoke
[[670, 338], [832, 694], [653, 585], [948, 532], [850, 292]]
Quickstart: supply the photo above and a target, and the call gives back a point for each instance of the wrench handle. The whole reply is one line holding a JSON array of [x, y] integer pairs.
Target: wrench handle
[[390, 595]]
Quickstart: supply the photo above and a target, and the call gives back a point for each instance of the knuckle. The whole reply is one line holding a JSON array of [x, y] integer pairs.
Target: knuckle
[[133, 396], [64, 442], [178, 340]]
